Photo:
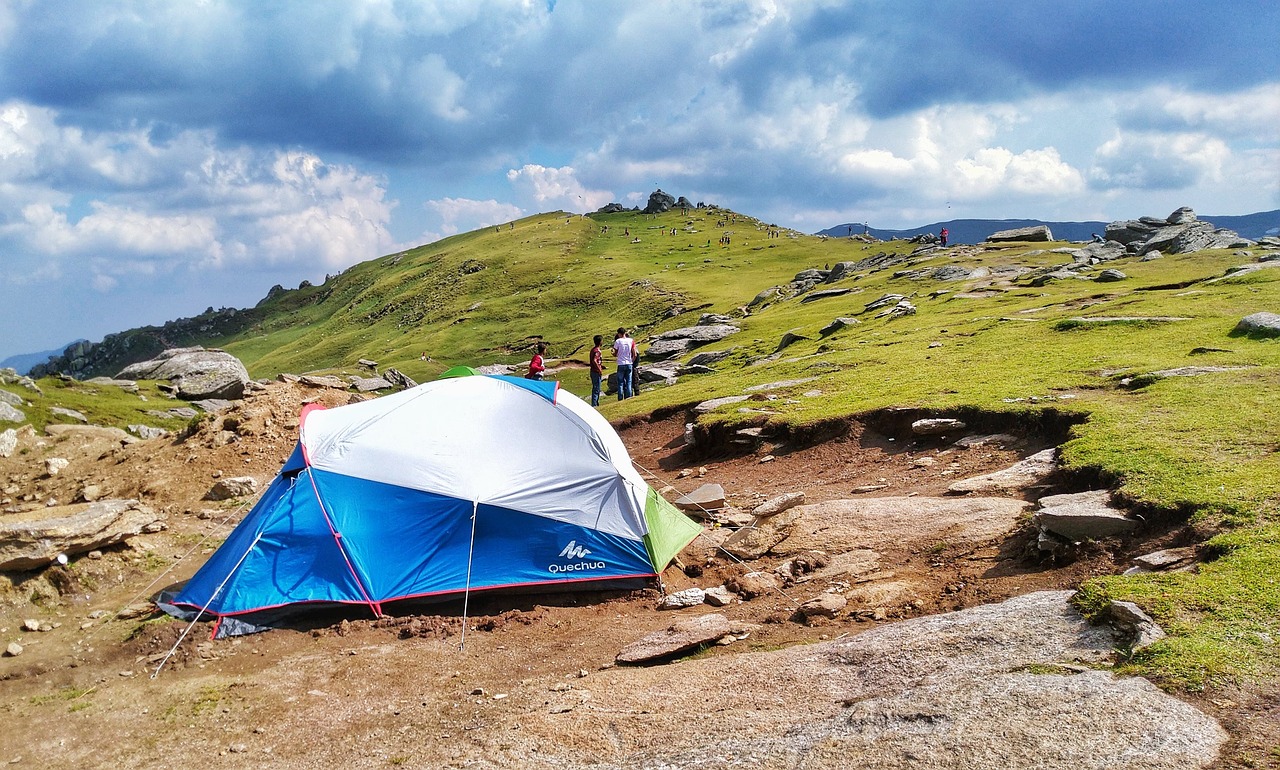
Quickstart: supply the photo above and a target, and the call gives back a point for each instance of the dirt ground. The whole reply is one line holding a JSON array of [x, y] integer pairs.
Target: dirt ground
[[409, 689]]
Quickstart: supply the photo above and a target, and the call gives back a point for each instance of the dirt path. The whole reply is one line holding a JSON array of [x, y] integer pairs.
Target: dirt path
[[400, 690]]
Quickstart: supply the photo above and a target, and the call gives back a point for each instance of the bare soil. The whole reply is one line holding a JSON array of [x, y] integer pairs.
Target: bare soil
[[409, 689]]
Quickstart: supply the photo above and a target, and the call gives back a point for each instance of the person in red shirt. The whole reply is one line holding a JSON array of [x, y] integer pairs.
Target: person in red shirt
[[942, 236], [597, 369], [536, 364]]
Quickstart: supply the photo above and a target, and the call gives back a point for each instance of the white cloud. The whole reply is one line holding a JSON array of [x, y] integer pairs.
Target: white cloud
[[555, 188], [462, 214], [1158, 161], [1252, 113]]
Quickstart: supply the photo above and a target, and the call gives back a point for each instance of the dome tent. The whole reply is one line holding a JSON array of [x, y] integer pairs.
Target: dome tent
[[461, 484]]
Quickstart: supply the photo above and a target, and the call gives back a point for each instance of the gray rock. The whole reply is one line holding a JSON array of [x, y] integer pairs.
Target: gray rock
[[763, 534], [715, 403], [9, 413], [1183, 216], [708, 357], [951, 273], [682, 636], [1110, 275], [8, 442], [196, 373], [1034, 233], [55, 465], [719, 596], [11, 398], [812, 274], [125, 385], [837, 324], [1259, 324], [699, 334], [777, 505], [1025, 473], [225, 489], [1166, 558], [995, 439], [180, 412], [768, 295], [693, 369], [322, 381], [13, 650], [824, 294], [70, 414], [212, 405], [1100, 252], [662, 350], [1083, 516], [689, 597], [714, 319], [656, 374], [71, 529], [399, 379], [370, 384], [840, 270], [147, 431], [903, 308], [884, 300], [708, 497], [933, 426], [1136, 628], [823, 606]]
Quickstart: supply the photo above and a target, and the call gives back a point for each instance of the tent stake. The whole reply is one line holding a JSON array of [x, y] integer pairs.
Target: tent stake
[[466, 594]]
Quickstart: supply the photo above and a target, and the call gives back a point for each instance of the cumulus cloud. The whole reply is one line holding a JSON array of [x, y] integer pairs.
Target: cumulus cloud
[[1158, 161], [462, 214], [555, 188]]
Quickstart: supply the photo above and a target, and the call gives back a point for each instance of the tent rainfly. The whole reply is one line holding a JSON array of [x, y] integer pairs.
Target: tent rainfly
[[457, 485]]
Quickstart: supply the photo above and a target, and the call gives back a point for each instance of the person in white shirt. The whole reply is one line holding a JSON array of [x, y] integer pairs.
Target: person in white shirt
[[624, 349]]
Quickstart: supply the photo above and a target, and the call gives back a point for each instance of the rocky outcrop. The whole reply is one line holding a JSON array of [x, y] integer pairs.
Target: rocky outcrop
[[677, 342], [195, 373], [1179, 233], [37, 541], [659, 202], [1034, 233]]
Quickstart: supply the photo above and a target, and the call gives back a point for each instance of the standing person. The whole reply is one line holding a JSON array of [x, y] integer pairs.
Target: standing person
[[597, 370], [536, 365], [624, 351], [943, 236]]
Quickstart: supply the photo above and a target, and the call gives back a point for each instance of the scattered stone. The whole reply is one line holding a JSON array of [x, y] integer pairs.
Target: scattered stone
[[841, 322], [1026, 473], [994, 439], [399, 379], [322, 381], [708, 497], [1110, 275], [776, 505], [763, 534], [788, 339], [754, 584], [1167, 558], [225, 489], [1136, 627], [934, 426], [715, 403], [13, 650], [30, 624], [8, 442], [55, 465], [1258, 324], [38, 541], [682, 636], [824, 294], [370, 384], [822, 606], [91, 493], [1083, 516], [9, 413], [720, 596], [689, 597], [70, 414], [11, 398]]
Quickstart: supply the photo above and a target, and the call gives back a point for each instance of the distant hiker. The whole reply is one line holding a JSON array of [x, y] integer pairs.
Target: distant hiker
[[624, 350], [536, 364], [597, 369], [1097, 238], [942, 236]]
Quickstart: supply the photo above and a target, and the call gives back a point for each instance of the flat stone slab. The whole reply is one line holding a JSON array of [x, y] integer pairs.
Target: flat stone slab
[[933, 426], [874, 523], [1165, 559], [1083, 516], [1025, 473], [713, 404], [776, 505], [708, 497], [37, 539], [682, 636]]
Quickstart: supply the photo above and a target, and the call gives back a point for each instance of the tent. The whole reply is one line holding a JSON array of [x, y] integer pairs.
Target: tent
[[457, 485], [457, 371]]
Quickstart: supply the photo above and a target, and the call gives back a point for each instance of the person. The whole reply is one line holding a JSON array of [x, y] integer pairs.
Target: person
[[597, 369], [1097, 238], [942, 236], [536, 365], [624, 351]]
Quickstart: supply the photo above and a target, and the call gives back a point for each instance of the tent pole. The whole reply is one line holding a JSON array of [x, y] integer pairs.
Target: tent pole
[[466, 594]]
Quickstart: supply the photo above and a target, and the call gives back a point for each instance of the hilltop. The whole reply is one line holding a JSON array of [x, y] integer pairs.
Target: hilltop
[[1134, 369]]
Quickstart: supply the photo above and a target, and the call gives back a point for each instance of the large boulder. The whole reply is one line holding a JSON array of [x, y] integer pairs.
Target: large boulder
[[659, 202], [196, 373], [36, 539], [1083, 516], [1034, 233], [1260, 324]]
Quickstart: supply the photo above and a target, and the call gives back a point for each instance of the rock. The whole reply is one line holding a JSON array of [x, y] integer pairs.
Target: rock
[[776, 505], [91, 433], [824, 294], [1034, 233], [8, 442], [659, 202], [652, 374], [322, 381], [1137, 629], [763, 534], [368, 364], [55, 465], [682, 636], [399, 379], [1029, 472], [933, 426], [754, 584], [720, 596], [837, 324], [69, 414], [225, 489], [71, 529], [766, 296], [661, 350], [951, 273], [837, 526], [715, 403], [699, 335], [789, 338], [840, 270], [714, 319], [708, 497], [1183, 216], [689, 597], [147, 431], [370, 384], [13, 650], [1167, 558], [994, 439], [822, 606], [708, 357], [903, 308], [1258, 324], [91, 493], [885, 300], [10, 398], [1083, 516], [1110, 275], [196, 373], [9, 413], [30, 624]]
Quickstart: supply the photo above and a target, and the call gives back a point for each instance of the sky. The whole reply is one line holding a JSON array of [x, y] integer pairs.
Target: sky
[[158, 158]]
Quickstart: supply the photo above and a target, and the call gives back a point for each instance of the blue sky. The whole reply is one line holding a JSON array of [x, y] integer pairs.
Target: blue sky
[[160, 157]]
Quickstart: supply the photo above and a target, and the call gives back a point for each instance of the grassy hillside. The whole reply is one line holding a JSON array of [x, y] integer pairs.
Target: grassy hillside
[[1206, 447]]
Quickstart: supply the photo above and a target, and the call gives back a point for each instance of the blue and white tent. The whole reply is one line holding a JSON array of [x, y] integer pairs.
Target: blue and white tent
[[463, 484]]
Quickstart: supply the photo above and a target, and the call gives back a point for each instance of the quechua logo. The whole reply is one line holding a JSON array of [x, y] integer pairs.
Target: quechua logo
[[577, 555]]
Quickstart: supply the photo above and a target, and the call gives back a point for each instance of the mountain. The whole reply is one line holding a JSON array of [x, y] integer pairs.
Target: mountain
[[24, 361], [1251, 226]]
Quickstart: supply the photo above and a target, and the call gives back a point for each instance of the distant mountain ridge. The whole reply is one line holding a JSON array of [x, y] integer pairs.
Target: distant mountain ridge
[[23, 362], [1251, 226]]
